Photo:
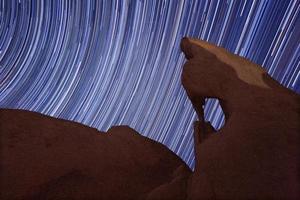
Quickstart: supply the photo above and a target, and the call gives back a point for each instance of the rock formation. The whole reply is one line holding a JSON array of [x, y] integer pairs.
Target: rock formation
[[254, 156], [47, 158]]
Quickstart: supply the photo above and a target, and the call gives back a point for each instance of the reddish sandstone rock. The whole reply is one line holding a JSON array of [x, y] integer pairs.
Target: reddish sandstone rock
[[256, 154], [47, 158]]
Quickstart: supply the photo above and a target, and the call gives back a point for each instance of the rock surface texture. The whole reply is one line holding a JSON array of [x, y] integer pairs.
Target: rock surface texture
[[254, 156]]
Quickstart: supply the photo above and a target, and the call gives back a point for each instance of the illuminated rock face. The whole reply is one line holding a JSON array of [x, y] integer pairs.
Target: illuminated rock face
[[254, 156]]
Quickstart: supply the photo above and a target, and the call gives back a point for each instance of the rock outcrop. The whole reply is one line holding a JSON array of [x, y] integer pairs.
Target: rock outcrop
[[47, 158], [254, 156]]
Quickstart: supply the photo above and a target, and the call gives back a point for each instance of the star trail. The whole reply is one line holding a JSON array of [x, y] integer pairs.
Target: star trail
[[113, 62]]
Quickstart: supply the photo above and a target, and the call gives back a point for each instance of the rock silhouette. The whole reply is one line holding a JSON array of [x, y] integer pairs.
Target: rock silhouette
[[47, 158], [254, 156]]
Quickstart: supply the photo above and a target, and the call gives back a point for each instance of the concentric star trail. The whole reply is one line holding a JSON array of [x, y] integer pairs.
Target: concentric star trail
[[113, 62]]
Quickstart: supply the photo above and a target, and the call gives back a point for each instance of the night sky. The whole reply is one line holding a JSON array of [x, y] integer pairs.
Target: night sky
[[105, 63]]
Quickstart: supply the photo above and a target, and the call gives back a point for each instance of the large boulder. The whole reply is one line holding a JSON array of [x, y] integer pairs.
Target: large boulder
[[47, 158]]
